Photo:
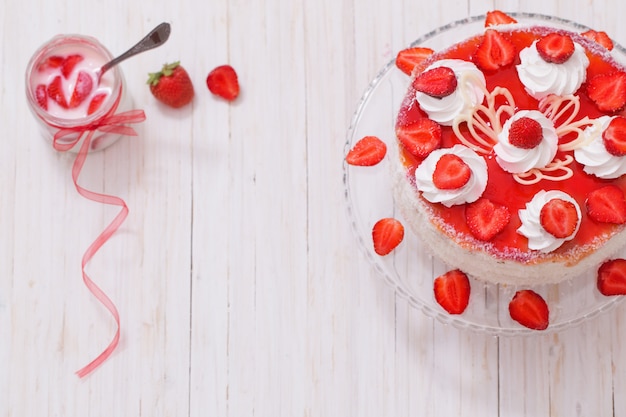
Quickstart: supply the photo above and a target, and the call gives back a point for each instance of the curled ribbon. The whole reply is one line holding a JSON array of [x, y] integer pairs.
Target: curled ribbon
[[110, 124]]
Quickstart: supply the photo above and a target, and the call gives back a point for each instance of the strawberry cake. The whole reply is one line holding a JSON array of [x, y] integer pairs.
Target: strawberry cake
[[511, 152]]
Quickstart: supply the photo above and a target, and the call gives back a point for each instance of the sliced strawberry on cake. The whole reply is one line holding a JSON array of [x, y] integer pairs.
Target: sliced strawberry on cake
[[600, 37], [451, 172], [486, 219], [420, 137], [555, 48], [437, 82], [608, 91], [607, 205], [495, 51]]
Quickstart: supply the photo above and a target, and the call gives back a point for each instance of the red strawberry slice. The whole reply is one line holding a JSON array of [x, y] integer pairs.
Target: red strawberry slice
[[409, 58], [612, 277], [82, 89], [486, 219], [53, 61], [555, 48], [530, 310], [387, 234], [614, 136], [420, 137], [452, 291], [451, 172], [69, 63], [96, 102], [559, 218], [600, 37], [525, 133], [494, 51], [367, 151], [224, 82], [496, 17], [607, 205], [608, 91], [41, 95], [55, 91], [437, 82]]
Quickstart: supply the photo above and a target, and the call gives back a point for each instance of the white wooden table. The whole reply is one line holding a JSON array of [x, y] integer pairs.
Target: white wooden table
[[238, 280]]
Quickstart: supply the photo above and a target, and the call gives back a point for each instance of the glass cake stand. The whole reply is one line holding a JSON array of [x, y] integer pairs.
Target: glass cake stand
[[410, 269]]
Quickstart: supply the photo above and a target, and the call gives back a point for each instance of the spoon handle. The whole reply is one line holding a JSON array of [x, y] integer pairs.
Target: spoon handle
[[155, 38]]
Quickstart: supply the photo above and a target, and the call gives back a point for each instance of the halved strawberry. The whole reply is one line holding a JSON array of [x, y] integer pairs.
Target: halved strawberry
[[367, 151], [69, 63], [54, 61], [420, 137], [525, 133], [55, 91], [494, 51], [612, 277], [223, 81], [614, 136], [608, 91], [555, 48], [600, 37], [408, 58], [530, 310], [452, 291], [41, 95], [387, 234], [82, 89], [451, 172], [496, 17], [437, 82], [486, 219], [607, 205], [96, 102], [559, 218]]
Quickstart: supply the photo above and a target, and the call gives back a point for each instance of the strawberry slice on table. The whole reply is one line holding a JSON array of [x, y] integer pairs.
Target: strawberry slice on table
[[555, 48], [96, 102], [55, 91], [387, 234], [486, 219], [452, 291], [614, 136], [437, 82], [611, 279], [223, 82], [451, 172], [368, 151], [608, 91], [525, 133], [559, 218], [82, 89], [600, 37], [497, 17], [41, 95], [420, 137], [607, 205], [409, 58], [530, 310], [69, 63], [495, 51]]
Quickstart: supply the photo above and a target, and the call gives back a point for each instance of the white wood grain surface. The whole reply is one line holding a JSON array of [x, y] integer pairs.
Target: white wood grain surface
[[239, 282]]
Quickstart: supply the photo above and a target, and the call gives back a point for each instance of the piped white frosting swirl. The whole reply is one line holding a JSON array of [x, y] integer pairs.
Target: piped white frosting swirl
[[517, 160], [469, 93], [594, 156], [468, 193], [542, 78], [538, 238]]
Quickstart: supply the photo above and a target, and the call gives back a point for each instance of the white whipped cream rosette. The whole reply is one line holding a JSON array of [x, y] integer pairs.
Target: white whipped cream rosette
[[518, 160], [469, 93], [594, 156], [538, 238], [542, 78], [468, 193]]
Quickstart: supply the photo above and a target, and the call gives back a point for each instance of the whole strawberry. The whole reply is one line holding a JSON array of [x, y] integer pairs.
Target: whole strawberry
[[172, 85]]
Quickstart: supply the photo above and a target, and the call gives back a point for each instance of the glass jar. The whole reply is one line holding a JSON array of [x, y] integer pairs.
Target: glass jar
[[58, 93]]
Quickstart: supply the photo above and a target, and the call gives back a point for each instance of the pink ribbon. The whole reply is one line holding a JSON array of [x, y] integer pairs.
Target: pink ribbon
[[112, 124]]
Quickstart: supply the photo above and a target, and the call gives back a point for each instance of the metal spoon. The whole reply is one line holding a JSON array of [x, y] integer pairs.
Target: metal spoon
[[156, 37]]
